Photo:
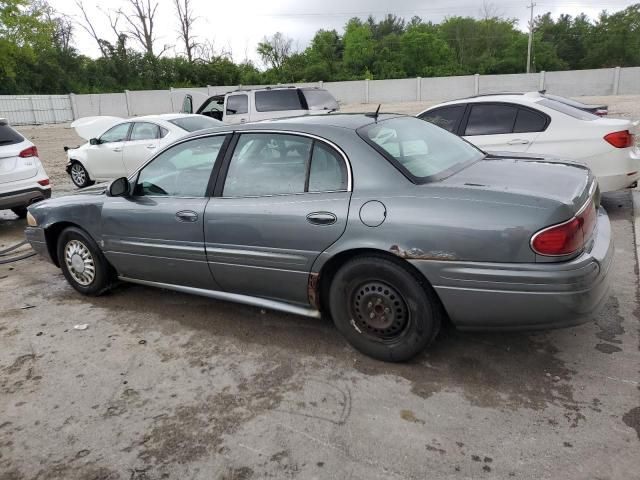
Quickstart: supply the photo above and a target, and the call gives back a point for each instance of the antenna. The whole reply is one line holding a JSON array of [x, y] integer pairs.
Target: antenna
[[374, 115]]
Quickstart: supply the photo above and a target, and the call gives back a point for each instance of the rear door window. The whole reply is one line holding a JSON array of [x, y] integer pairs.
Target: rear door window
[[488, 119], [144, 131], [268, 164], [445, 117], [529, 121], [278, 100]]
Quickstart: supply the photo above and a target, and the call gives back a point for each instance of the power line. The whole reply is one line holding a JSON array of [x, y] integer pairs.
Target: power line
[[530, 37]]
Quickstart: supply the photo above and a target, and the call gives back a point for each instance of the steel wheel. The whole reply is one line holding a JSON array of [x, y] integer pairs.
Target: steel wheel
[[79, 174], [80, 262], [378, 310]]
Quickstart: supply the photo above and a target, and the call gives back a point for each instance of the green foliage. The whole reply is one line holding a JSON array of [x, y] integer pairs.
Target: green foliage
[[36, 56]]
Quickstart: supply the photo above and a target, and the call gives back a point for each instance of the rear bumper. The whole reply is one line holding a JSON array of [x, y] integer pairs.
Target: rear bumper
[[484, 296], [23, 198], [35, 236]]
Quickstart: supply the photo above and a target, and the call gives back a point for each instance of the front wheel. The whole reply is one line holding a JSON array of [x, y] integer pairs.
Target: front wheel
[[384, 309], [79, 175], [82, 263]]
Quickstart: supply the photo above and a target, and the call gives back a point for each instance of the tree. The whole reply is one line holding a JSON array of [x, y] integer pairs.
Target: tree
[[420, 50], [358, 47], [274, 51], [325, 55], [141, 23], [186, 19]]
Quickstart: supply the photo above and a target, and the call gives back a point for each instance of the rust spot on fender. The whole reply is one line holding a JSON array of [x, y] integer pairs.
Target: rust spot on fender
[[312, 290], [418, 254]]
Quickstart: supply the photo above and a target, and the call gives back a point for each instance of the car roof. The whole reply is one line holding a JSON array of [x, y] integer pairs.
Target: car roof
[[307, 123], [162, 116]]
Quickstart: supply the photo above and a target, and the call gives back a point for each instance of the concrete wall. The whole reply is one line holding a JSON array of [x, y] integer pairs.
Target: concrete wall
[[34, 109]]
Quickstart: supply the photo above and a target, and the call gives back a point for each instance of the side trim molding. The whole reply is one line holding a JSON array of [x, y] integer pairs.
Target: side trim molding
[[231, 297]]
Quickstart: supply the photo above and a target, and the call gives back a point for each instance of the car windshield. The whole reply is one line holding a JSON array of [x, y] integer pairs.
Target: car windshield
[[320, 100], [8, 136], [421, 150], [567, 109], [197, 122]]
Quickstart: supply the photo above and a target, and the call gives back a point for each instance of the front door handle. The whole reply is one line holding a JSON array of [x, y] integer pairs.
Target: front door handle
[[151, 147], [117, 149], [187, 216], [518, 141], [322, 218]]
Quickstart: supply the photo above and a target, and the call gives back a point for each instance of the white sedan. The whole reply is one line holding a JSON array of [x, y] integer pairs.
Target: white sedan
[[532, 123], [117, 147]]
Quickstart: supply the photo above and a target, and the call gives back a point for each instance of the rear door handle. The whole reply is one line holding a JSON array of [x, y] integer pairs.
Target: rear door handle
[[151, 147], [518, 141], [322, 218], [118, 149], [187, 216]]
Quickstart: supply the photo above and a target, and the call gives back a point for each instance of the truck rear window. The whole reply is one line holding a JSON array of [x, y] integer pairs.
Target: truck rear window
[[318, 99], [8, 136], [278, 100]]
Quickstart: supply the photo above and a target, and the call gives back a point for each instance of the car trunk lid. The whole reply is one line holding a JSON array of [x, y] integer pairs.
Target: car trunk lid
[[14, 168], [545, 178]]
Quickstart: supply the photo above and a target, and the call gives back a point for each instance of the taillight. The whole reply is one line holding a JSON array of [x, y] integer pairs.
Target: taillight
[[29, 152], [44, 182], [622, 139], [568, 237], [601, 112]]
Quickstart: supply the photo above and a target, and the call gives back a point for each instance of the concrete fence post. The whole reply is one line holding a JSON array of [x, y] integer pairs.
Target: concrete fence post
[[74, 106], [616, 80], [53, 109], [173, 107], [476, 79], [541, 80], [128, 102], [418, 89], [366, 90], [321, 84], [209, 94], [33, 110]]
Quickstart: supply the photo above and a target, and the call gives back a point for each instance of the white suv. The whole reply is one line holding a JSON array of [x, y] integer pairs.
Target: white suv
[[242, 106], [23, 180]]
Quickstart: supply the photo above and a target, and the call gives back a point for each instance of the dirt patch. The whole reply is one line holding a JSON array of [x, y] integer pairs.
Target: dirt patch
[[632, 419]]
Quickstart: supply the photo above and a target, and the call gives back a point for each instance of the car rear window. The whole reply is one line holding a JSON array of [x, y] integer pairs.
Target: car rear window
[[318, 99], [193, 124], [567, 110], [422, 151], [278, 100], [8, 136]]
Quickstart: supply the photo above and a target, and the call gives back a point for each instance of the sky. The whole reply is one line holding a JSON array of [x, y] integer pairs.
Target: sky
[[236, 26]]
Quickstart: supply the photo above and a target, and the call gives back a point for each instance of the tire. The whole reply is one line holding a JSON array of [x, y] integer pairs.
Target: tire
[[384, 309], [21, 212], [79, 175], [77, 250]]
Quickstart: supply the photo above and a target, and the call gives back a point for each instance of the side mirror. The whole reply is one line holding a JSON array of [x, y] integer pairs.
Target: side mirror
[[94, 141], [119, 188]]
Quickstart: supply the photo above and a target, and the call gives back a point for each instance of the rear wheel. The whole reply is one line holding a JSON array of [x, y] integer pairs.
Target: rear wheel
[[82, 263], [384, 309], [21, 212], [79, 175]]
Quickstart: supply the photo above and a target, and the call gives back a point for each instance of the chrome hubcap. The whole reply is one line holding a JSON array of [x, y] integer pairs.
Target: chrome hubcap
[[79, 262], [78, 174]]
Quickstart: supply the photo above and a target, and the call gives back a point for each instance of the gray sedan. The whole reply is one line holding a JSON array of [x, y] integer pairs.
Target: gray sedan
[[387, 224]]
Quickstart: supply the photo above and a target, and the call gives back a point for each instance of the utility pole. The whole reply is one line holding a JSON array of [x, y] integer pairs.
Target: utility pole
[[530, 37]]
